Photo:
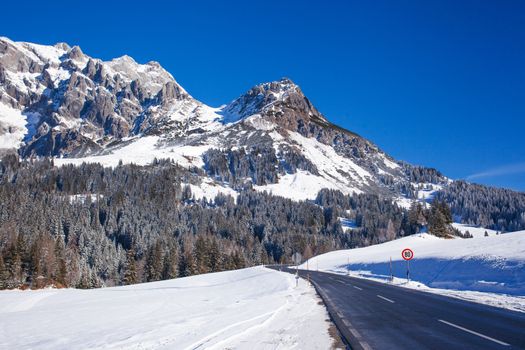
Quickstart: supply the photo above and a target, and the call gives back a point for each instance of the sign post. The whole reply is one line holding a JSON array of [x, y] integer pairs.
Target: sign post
[[408, 255], [391, 272], [297, 258]]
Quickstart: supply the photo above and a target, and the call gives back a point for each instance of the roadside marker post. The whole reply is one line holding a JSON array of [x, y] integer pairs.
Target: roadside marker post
[[297, 260], [407, 254], [391, 272], [408, 271], [308, 271]]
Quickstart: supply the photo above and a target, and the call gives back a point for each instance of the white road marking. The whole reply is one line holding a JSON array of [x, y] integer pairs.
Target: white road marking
[[358, 288], [382, 297], [475, 333]]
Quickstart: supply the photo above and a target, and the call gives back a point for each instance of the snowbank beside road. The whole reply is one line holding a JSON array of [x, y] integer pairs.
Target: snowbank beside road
[[494, 264], [254, 308]]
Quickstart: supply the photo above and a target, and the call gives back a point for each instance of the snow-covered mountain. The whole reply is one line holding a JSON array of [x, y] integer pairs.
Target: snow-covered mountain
[[57, 101]]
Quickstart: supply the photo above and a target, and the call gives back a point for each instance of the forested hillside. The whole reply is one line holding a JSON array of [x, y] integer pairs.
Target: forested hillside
[[88, 226], [495, 208]]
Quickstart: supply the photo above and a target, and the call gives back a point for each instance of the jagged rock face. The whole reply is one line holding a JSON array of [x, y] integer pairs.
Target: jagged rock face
[[284, 104], [281, 102], [57, 101], [79, 98]]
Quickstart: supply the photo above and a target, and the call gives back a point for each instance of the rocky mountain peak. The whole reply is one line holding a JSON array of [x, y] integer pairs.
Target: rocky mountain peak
[[62, 46], [279, 88], [281, 102], [75, 53], [264, 98]]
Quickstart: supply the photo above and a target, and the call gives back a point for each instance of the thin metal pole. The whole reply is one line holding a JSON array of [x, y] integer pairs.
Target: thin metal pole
[[296, 273], [391, 271], [408, 270]]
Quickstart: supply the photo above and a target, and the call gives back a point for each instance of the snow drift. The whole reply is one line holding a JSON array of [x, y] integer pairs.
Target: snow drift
[[488, 264], [254, 308]]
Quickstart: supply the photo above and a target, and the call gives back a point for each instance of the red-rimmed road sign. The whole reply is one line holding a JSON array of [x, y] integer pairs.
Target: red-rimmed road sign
[[407, 254]]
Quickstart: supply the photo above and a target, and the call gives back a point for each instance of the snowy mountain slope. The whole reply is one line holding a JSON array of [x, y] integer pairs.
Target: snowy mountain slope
[[58, 101], [12, 127], [243, 309], [488, 264], [476, 232]]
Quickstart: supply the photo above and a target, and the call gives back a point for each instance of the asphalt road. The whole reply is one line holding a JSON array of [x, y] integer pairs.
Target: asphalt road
[[373, 315]]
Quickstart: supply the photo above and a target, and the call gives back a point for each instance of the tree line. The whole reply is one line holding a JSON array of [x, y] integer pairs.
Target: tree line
[[88, 226]]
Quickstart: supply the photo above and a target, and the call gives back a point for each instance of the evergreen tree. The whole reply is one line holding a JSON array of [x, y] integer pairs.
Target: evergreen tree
[[3, 274], [60, 262], [85, 281], [35, 259], [238, 261], [130, 269], [154, 263], [201, 254], [416, 218], [215, 257], [187, 266], [170, 264], [439, 219]]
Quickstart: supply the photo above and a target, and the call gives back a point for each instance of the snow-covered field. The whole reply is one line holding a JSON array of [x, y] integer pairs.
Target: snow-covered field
[[484, 269], [254, 308]]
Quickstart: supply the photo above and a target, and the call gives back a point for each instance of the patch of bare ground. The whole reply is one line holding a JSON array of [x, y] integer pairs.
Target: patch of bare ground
[[336, 337]]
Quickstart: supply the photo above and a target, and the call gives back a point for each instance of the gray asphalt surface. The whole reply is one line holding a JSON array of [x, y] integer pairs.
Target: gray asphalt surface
[[373, 315]]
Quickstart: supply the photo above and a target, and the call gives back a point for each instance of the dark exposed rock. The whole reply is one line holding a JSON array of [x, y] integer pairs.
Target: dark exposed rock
[[75, 53], [110, 96]]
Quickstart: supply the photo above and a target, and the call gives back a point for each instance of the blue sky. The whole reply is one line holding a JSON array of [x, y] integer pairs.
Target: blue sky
[[436, 83]]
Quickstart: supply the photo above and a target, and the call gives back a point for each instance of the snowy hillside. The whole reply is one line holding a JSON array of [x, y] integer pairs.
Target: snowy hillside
[[486, 264], [253, 308]]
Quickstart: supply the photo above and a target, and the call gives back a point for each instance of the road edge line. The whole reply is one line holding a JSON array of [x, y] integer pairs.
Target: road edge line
[[348, 333]]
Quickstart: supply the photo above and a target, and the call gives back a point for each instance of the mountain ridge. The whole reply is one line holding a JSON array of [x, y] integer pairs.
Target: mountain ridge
[[82, 109]]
